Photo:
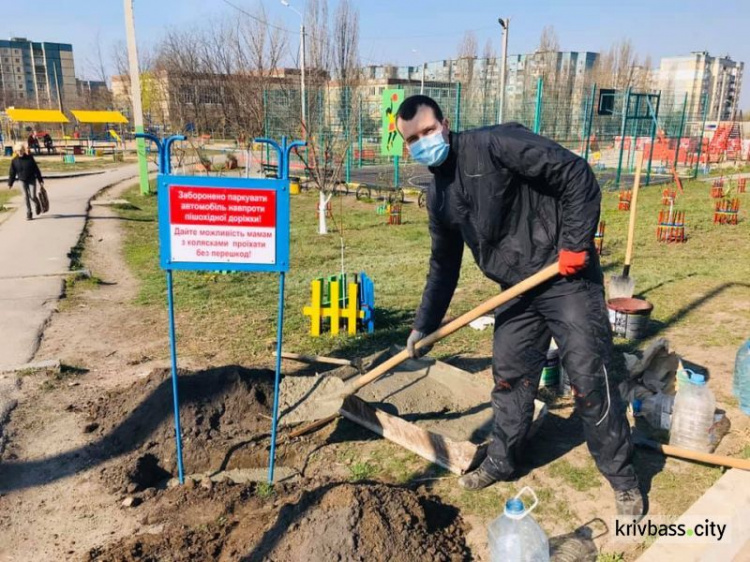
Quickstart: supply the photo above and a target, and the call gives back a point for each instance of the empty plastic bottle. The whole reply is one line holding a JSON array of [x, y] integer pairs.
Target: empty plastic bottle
[[693, 415], [657, 410], [741, 380], [515, 536]]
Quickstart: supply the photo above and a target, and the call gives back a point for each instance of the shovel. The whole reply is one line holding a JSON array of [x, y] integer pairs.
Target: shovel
[[622, 286], [326, 408]]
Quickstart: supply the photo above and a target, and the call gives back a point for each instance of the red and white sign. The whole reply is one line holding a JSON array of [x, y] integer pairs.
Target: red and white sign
[[222, 225]]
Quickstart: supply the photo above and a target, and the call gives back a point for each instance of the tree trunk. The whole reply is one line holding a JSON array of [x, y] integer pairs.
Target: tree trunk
[[323, 201]]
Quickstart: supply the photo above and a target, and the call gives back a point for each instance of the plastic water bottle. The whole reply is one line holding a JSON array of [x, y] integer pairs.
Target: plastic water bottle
[[515, 536], [693, 415], [741, 380], [657, 410]]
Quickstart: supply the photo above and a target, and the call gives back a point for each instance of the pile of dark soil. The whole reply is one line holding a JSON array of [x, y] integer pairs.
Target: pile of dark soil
[[335, 521], [225, 416]]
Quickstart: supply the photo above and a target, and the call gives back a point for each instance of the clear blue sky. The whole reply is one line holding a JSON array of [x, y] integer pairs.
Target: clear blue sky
[[391, 29]]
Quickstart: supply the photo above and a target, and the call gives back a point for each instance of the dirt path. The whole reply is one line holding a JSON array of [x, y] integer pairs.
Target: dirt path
[[84, 439], [53, 506]]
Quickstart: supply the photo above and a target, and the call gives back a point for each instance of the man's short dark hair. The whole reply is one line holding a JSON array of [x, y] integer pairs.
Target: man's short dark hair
[[409, 107]]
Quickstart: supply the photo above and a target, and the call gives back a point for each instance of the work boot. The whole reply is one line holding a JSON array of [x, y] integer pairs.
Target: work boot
[[630, 503], [477, 480], [28, 216]]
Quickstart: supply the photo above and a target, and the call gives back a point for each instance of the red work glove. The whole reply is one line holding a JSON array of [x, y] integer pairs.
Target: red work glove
[[572, 262]]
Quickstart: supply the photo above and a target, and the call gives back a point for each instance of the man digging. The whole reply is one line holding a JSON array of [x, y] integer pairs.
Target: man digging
[[520, 202]]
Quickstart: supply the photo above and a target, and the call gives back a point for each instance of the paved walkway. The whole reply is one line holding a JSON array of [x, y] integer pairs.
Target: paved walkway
[[34, 253]]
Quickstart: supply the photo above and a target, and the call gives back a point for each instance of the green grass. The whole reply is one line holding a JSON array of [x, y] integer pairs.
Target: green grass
[[264, 490], [728, 170], [362, 471], [7, 194], [693, 286], [676, 488], [580, 478]]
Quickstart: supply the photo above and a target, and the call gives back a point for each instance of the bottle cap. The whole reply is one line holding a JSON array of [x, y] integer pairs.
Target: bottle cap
[[637, 406], [514, 507]]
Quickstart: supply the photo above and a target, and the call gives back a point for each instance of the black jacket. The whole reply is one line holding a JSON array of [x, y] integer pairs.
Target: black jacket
[[516, 199], [25, 169]]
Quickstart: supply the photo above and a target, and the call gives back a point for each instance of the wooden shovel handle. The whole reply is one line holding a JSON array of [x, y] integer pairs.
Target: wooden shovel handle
[[518, 289], [352, 387], [708, 458], [633, 206]]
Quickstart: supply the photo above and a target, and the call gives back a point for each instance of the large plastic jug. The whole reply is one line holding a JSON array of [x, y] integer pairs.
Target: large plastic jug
[[515, 536], [741, 380], [693, 415]]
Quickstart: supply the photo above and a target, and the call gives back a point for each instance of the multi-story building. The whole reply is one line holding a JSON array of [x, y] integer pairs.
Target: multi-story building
[[567, 77], [699, 75], [36, 74], [91, 88]]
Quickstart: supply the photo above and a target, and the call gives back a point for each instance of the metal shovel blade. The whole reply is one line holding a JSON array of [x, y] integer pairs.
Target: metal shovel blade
[[621, 286], [322, 398]]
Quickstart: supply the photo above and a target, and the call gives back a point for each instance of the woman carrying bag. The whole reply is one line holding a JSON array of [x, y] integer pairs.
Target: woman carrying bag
[[24, 168]]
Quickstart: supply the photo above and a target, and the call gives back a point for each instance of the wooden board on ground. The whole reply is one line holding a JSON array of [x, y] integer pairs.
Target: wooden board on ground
[[433, 409]]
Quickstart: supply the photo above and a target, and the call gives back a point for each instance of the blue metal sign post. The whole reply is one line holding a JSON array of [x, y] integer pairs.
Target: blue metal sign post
[[228, 224]]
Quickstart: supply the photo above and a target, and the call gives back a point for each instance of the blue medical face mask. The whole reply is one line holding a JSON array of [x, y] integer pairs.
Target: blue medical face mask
[[431, 150]]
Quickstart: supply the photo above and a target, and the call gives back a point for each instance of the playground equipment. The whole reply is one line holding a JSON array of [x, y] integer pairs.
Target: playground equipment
[[599, 238], [727, 211], [392, 211], [391, 194], [625, 197], [337, 298]]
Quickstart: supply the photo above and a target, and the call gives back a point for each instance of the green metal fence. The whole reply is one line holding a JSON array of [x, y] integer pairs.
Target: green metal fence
[[344, 125]]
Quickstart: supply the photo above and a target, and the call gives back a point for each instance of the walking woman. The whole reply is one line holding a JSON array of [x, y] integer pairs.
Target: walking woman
[[24, 168]]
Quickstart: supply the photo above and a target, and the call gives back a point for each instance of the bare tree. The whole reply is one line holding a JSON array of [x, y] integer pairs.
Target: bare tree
[[318, 43], [548, 41], [346, 42], [489, 52]]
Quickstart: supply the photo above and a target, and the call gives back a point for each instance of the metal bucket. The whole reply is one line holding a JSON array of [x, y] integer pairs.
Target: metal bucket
[[629, 317]]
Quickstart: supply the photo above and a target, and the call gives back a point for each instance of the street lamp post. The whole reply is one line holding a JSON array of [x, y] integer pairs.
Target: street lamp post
[[135, 92], [505, 24], [302, 65], [424, 68]]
